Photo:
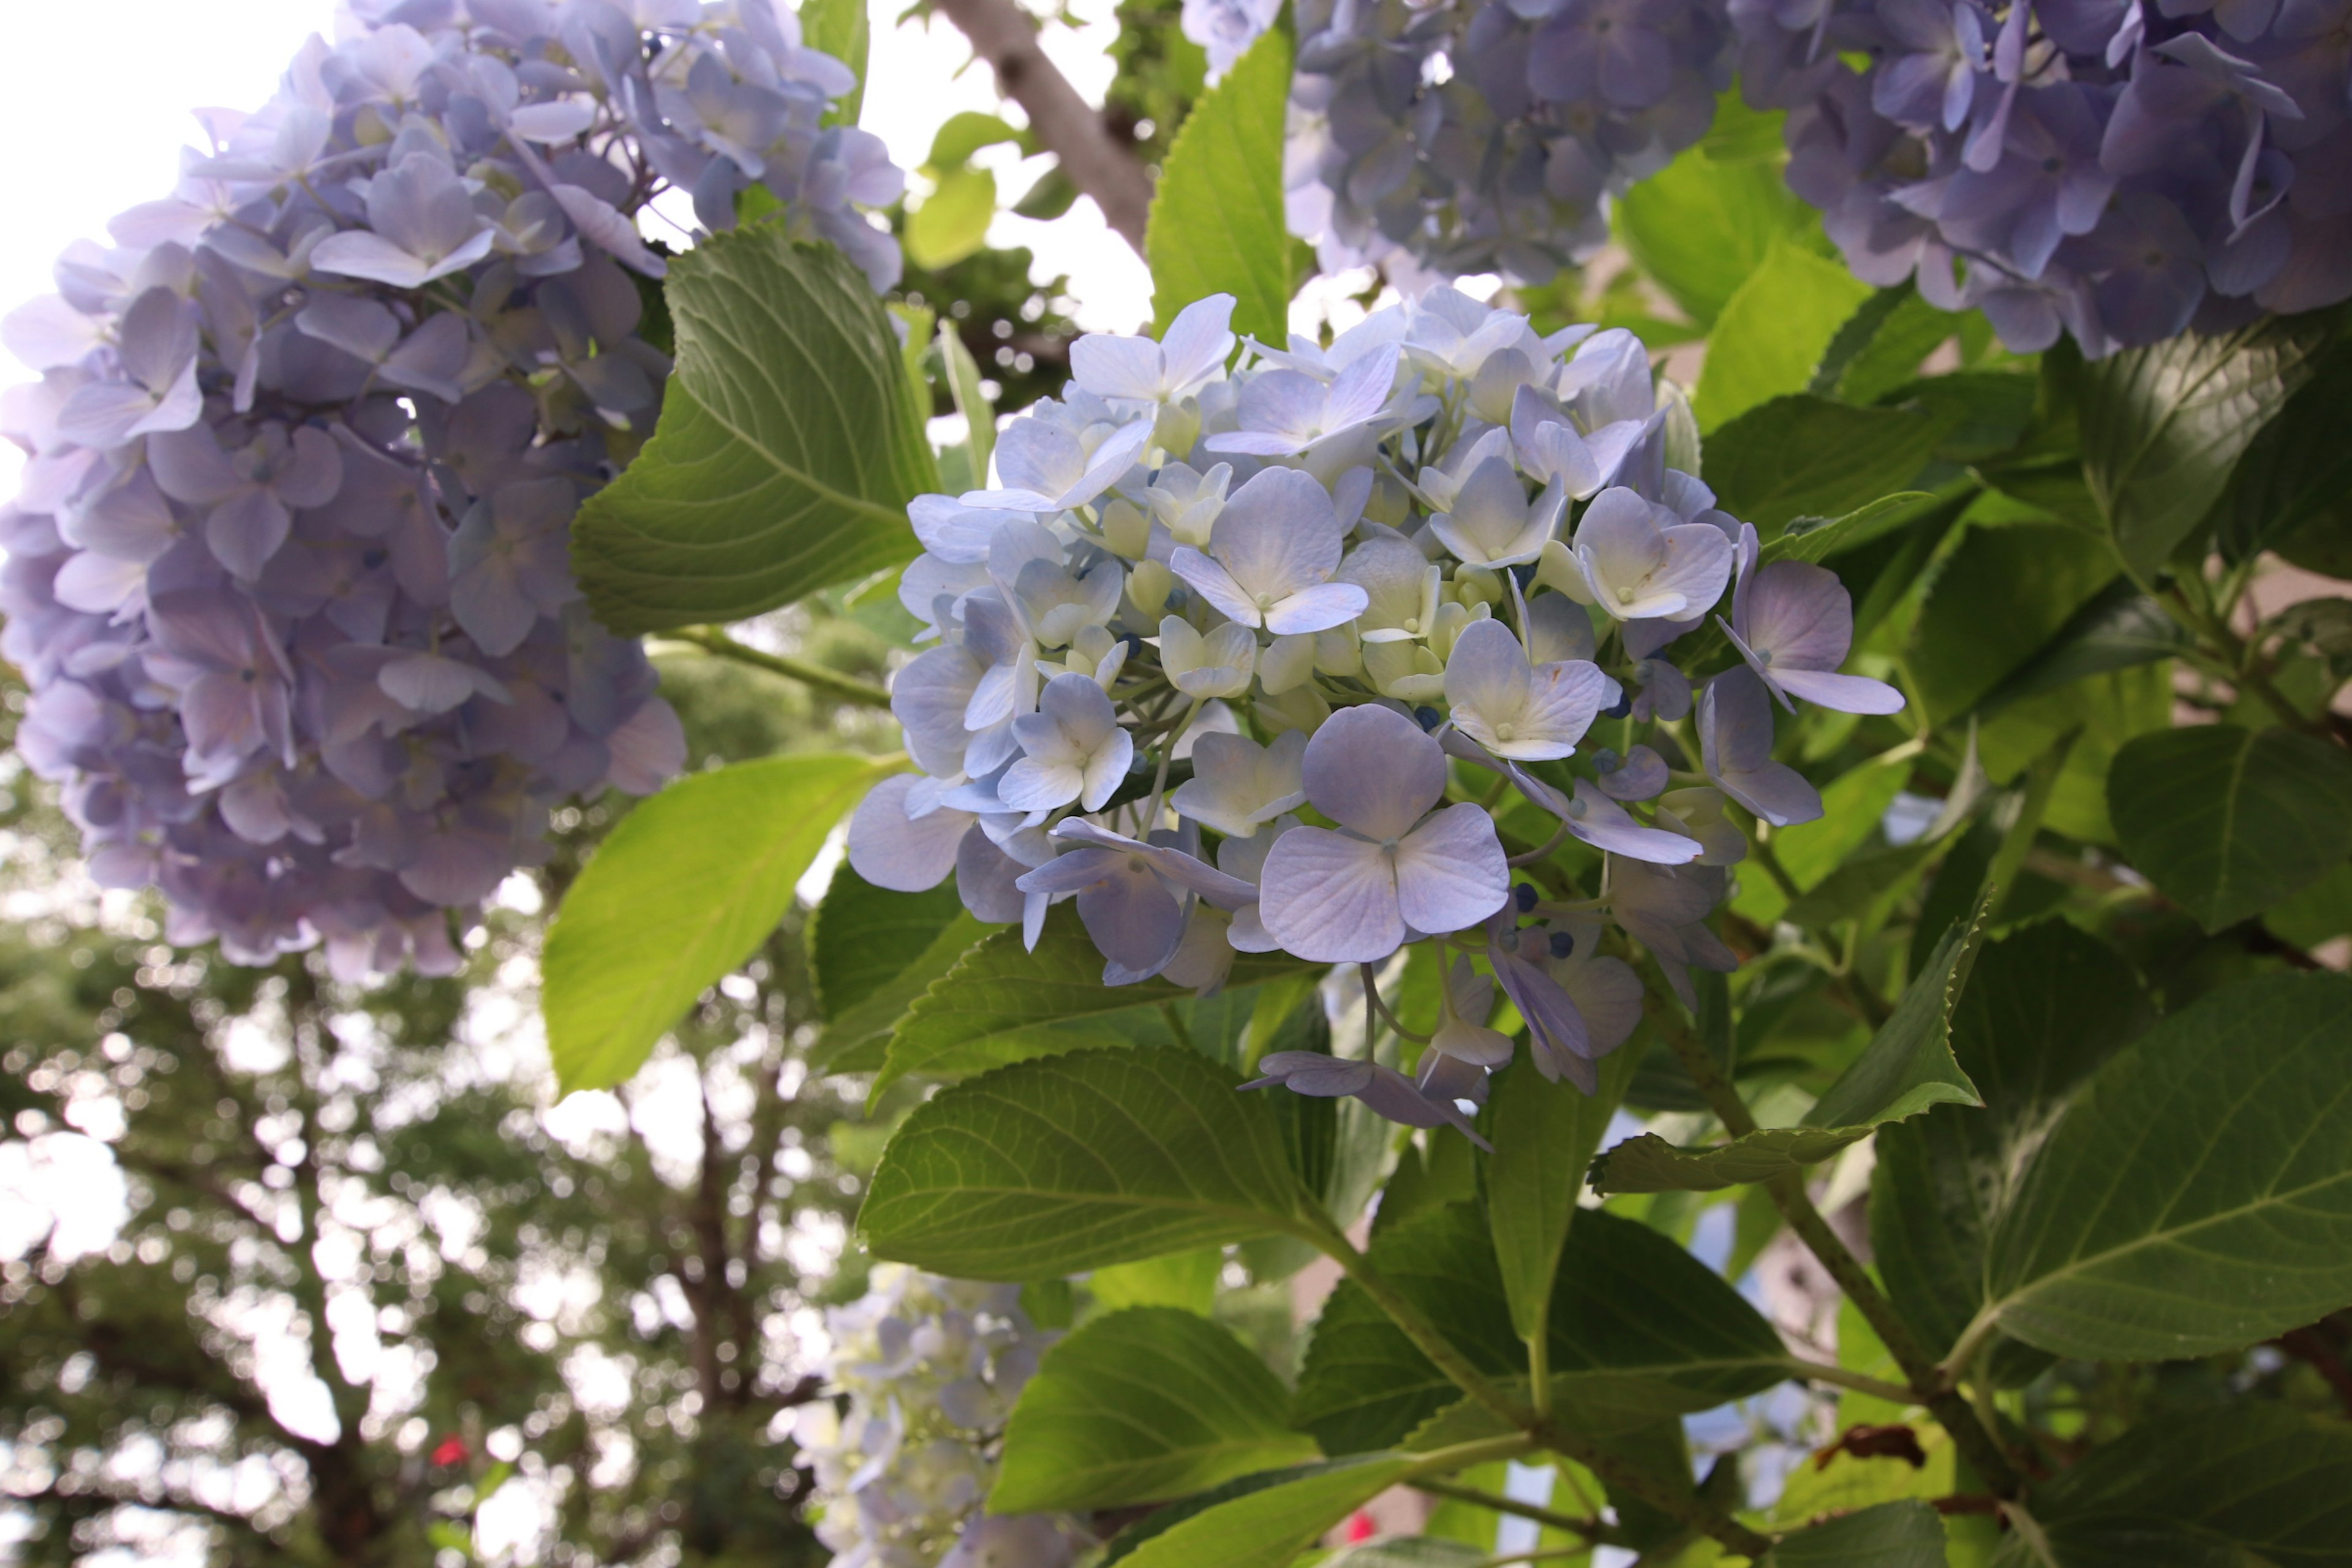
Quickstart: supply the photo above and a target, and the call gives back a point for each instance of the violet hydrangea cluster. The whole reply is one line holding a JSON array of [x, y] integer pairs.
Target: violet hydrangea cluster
[[2116, 170], [288, 574], [1223, 656], [926, 1370], [1460, 137]]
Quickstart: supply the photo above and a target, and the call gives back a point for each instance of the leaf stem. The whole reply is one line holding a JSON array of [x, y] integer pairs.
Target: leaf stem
[[846, 688], [1625, 1481], [1416, 1327], [1861, 1382], [1788, 1194], [1592, 1529]]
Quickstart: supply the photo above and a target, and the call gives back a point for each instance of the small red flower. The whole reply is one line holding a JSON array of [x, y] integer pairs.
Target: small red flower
[[452, 1451], [1362, 1528]]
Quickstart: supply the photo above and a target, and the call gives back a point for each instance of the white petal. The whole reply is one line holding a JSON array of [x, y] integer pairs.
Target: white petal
[[891, 852]]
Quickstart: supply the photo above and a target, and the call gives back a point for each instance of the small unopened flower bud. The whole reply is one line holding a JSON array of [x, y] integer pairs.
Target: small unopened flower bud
[[1126, 528], [1563, 944], [1148, 587], [1525, 896]]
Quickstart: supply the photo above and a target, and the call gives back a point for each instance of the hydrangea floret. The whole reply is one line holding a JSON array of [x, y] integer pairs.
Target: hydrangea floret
[[288, 574], [922, 1375], [1248, 662]]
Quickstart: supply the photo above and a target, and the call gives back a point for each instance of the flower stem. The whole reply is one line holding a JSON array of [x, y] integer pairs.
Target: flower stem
[[831, 682], [1591, 1529]]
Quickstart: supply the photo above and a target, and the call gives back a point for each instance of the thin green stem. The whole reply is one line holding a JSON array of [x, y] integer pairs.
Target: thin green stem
[[1955, 1366], [1167, 750], [1176, 1028], [846, 687], [1625, 1481], [1861, 1382], [1373, 1001], [1462, 1456], [1766, 857], [1592, 1529]]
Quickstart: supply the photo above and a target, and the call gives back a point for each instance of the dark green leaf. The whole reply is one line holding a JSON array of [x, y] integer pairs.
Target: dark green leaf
[[2227, 821], [856, 1038], [863, 936], [683, 891], [2296, 474], [1217, 224], [2163, 426], [2257, 1476], [1074, 1161], [2119, 628], [1544, 1136], [1907, 1066], [1987, 413], [2198, 1196], [1773, 332], [1908, 1535], [2043, 1009], [1143, 1404], [787, 450], [1054, 194], [1818, 539], [1648, 1164], [1888, 360], [1003, 1003], [1807, 457], [2004, 593], [1857, 332]]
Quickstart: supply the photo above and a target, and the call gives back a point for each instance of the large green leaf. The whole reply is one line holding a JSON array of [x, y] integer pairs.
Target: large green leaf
[[787, 451], [1217, 223], [682, 891], [1545, 1133], [1803, 456], [1648, 1164], [857, 1038], [2295, 478], [1810, 539], [863, 936], [1003, 1003], [1773, 332], [1702, 224], [2044, 1008], [2002, 595], [1271, 1525], [2242, 1485], [1073, 1161], [1908, 1535], [1907, 1066], [1138, 1407], [2120, 628], [2228, 821], [2198, 1196], [2163, 426]]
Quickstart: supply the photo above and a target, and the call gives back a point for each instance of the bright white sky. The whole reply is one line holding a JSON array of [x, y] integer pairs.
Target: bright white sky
[[95, 124]]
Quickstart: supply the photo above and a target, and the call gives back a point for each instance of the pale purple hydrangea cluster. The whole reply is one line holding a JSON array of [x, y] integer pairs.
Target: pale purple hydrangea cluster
[[288, 574], [1470, 136], [2116, 170], [926, 1370], [1206, 654]]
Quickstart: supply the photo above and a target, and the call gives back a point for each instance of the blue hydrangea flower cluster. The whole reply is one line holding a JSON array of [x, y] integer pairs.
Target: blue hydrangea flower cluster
[[926, 1370], [1460, 137], [288, 574], [1207, 651], [2115, 170]]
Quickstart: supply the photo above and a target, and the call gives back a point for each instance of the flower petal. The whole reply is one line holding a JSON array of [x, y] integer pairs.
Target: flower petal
[[1451, 871], [1372, 769], [1332, 897]]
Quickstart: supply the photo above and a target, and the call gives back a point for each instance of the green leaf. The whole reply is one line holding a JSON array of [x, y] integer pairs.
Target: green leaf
[[683, 891], [2119, 628], [2293, 481], [1907, 1066], [1544, 1136], [1818, 539], [1408, 1552], [1889, 359], [1851, 807], [2044, 1008], [1701, 225], [2198, 1197], [963, 387], [856, 1038], [1217, 224], [1773, 332], [1364, 1385], [2230, 821], [1145, 1405], [2002, 595], [1806, 457], [964, 133], [952, 223], [863, 936], [1078, 1161], [1270, 1526], [1003, 1003], [1908, 1535], [2163, 426], [2257, 1476], [1185, 1280], [1648, 1164], [840, 28], [787, 450]]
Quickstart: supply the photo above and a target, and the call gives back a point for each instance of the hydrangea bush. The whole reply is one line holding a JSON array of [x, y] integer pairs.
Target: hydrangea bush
[[287, 572], [1201, 609]]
